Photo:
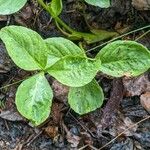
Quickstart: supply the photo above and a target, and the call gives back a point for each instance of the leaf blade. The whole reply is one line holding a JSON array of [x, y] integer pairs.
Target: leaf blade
[[34, 99], [26, 48], [124, 58], [100, 3], [75, 71], [59, 47], [9, 7], [86, 98], [55, 7]]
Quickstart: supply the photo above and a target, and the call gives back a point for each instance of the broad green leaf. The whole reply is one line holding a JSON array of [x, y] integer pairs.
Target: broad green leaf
[[55, 7], [34, 99], [100, 3], [59, 47], [75, 71], [25, 47], [11, 6], [124, 58], [86, 98]]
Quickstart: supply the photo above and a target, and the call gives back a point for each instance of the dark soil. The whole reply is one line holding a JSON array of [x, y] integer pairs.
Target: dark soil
[[65, 129]]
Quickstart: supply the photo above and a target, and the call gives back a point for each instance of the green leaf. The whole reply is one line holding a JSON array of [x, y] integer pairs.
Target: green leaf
[[100, 3], [59, 47], [55, 7], [34, 99], [75, 71], [25, 47], [124, 58], [87, 98], [11, 6]]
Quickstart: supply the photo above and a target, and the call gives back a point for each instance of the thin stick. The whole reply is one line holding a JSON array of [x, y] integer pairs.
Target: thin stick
[[144, 34], [3, 87], [83, 147], [148, 117], [139, 29]]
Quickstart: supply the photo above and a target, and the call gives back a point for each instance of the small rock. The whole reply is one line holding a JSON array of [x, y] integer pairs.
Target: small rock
[[145, 101]]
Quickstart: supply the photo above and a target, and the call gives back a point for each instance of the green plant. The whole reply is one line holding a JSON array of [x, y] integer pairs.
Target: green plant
[[69, 64], [100, 3], [54, 8], [11, 6]]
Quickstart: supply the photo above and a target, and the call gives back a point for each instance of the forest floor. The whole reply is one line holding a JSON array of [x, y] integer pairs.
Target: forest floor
[[123, 122]]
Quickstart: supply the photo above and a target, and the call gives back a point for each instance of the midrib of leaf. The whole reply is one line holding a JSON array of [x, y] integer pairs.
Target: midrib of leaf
[[35, 92], [30, 55]]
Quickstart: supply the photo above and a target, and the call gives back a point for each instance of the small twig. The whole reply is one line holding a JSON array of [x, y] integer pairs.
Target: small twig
[[84, 127], [35, 137], [3, 87], [144, 34], [6, 124], [93, 148], [148, 117], [83, 147]]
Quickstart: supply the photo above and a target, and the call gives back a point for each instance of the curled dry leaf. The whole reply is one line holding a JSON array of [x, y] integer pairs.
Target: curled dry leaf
[[136, 86], [145, 101]]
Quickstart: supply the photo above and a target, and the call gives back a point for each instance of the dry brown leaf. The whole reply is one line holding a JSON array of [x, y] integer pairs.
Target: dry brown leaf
[[52, 131], [74, 140], [60, 90], [136, 86], [145, 101], [121, 124], [141, 4], [11, 115]]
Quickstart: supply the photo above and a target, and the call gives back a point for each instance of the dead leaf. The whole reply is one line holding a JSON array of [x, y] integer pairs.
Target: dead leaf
[[11, 115], [121, 124], [56, 113], [60, 91], [145, 101], [52, 131], [127, 144], [136, 86], [141, 4], [73, 139]]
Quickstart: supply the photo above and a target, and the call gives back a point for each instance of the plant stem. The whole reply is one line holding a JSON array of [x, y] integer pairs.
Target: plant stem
[[64, 25], [57, 19]]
